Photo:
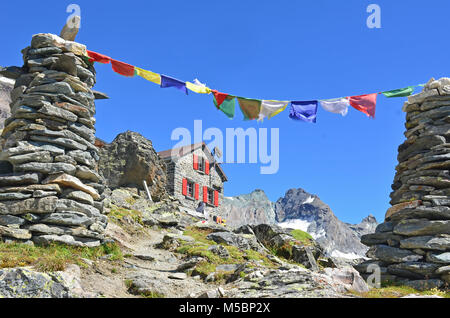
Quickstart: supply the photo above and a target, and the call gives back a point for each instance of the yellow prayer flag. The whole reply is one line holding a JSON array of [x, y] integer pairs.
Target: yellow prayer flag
[[197, 88], [149, 76]]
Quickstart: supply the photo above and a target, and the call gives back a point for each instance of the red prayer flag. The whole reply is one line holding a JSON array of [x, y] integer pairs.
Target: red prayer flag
[[365, 103], [97, 57], [220, 97], [122, 68]]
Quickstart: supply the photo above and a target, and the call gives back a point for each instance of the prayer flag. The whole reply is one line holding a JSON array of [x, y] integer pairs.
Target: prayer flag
[[336, 106], [402, 92], [198, 88], [97, 57], [251, 108], [304, 111], [167, 81], [365, 103], [228, 106], [219, 97], [271, 108], [149, 76], [122, 68]]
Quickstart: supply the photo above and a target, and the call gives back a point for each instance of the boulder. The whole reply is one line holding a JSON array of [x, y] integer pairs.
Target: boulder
[[131, 159], [230, 238], [26, 283]]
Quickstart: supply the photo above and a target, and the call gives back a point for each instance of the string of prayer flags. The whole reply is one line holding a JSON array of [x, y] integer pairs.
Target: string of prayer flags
[[256, 108], [167, 81], [336, 106], [251, 108], [304, 111], [402, 92], [227, 105], [122, 68], [365, 103], [97, 57], [148, 75], [271, 108]]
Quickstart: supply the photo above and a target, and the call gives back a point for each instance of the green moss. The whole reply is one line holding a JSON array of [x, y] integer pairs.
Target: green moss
[[302, 236], [200, 248], [54, 257], [153, 295], [400, 291], [118, 213]]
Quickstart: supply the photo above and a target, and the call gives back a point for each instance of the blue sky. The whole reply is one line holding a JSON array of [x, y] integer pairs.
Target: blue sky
[[285, 50]]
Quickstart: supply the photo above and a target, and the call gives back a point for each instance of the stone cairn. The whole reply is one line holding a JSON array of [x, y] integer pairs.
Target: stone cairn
[[50, 190], [413, 244]]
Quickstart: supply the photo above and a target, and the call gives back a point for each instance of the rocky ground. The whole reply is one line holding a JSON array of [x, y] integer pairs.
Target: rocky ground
[[161, 259], [172, 254]]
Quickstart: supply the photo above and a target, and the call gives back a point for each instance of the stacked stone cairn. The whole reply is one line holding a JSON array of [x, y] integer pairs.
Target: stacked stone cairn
[[50, 190], [412, 246]]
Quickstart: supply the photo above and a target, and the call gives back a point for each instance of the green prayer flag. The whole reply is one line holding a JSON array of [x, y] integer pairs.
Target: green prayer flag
[[228, 106], [250, 107], [402, 92]]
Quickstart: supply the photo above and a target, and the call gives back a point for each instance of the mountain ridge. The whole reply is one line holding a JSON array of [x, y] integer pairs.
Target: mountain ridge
[[298, 209]]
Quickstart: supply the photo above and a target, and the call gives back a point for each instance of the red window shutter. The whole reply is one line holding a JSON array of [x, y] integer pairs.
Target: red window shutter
[[184, 191], [197, 190], [205, 194], [195, 162], [206, 166], [216, 198]]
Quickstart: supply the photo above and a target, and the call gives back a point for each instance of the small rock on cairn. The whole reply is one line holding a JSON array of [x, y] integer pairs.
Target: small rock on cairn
[[413, 244], [50, 190]]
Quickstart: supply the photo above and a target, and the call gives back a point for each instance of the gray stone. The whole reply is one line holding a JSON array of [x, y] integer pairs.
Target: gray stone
[[229, 239], [227, 267], [219, 250], [178, 276], [46, 168], [426, 243], [71, 205], [56, 88], [45, 51], [380, 238], [384, 227], [424, 284], [303, 255], [414, 270], [65, 159], [85, 173], [64, 239], [19, 179], [442, 258], [58, 112], [443, 270], [6, 220], [422, 212], [144, 257], [32, 205], [190, 263], [392, 255], [80, 196], [14, 196], [25, 283], [68, 218], [43, 156], [19, 234], [64, 142], [422, 227]]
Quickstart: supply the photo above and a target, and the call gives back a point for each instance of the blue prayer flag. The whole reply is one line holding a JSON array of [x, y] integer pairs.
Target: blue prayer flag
[[167, 81], [304, 111]]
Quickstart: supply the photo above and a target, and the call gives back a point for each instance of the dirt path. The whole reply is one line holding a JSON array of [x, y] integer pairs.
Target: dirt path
[[144, 262]]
